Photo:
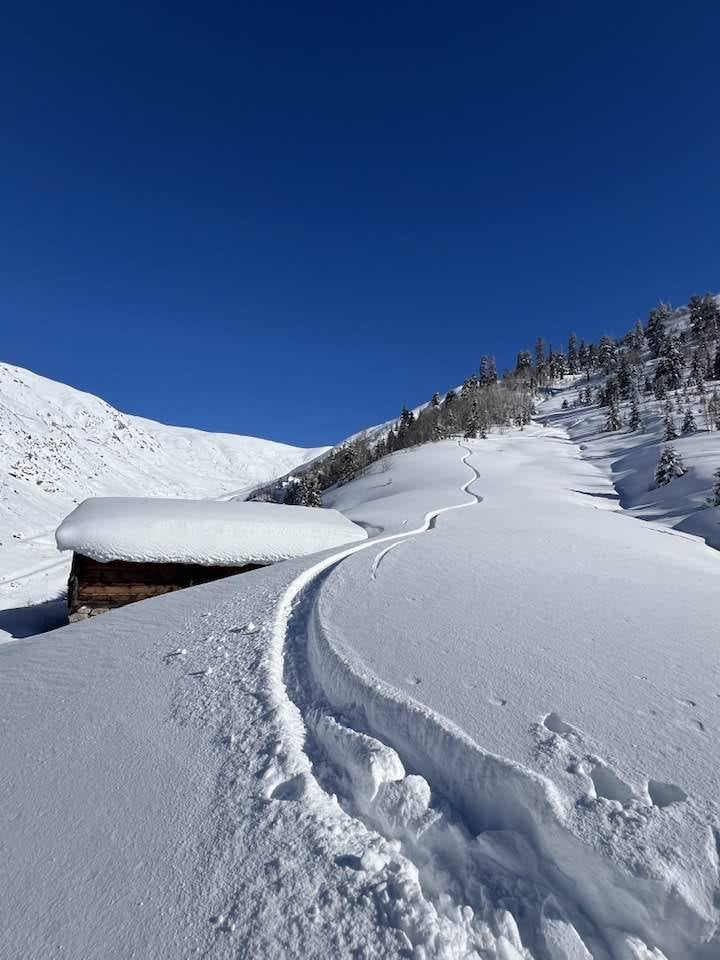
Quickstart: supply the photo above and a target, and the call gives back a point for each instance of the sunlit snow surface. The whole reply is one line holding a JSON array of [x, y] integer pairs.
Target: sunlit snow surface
[[207, 532], [490, 731]]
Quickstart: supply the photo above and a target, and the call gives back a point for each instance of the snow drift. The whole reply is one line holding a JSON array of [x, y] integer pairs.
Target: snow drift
[[200, 531]]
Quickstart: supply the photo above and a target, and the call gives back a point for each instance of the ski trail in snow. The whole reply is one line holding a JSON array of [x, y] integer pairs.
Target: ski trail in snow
[[284, 609], [505, 818], [432, 518], [379, 558]]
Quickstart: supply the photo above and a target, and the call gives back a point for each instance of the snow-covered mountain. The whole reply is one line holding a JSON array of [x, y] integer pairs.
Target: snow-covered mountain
[[59, 445]]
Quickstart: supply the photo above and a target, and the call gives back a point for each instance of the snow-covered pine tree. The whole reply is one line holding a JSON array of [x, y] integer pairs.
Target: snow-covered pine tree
[[473, 422], [714, 409], [614, 420], [635, 421], [670, 465], [488, 371], [716, 365], [660, 388], [698, 368], [638, 336], [657, 323], [670, 429], [523, 364], [715, 495], [607, 353], [572, 355], [435, 402], [670, 363], [689, 425]]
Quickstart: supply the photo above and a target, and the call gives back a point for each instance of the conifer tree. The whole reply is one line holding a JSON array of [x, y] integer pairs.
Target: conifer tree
[[638, 336], [607, 353], [523, 363], [488, 371], [714, 409], [573, 361], [614, 420], [657, 323], [670, 363], [715, 496], [698, 369], [473, 423], [634, 422], [435, 402], [689, 425], [670, 429], [716, 365], [670, 465]]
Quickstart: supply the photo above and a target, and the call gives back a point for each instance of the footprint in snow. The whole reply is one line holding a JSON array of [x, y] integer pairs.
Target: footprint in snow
[[663, 794], [292, 789], [555, 724]]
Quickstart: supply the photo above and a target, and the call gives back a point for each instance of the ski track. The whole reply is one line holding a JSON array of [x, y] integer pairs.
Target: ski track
[[355, 738], [431, 518]]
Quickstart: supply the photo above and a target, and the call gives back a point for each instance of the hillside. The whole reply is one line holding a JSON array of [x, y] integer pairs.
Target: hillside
[[59, 445], [488, 732]]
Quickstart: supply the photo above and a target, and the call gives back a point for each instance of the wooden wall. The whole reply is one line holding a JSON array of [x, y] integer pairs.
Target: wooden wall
[[102, 586]]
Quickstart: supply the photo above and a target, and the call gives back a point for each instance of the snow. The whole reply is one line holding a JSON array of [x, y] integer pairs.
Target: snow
[[498, 739], [205, 532], [59, 446]]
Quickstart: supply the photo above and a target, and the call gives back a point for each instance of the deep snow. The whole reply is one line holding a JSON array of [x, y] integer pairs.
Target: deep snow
[[497, 739], [207, 532]]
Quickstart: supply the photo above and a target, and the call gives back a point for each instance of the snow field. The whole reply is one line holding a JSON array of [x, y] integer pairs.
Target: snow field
[[375, 753]]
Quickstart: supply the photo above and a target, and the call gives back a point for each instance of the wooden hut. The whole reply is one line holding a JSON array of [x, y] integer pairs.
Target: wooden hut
[[95, 587], [130, 548]]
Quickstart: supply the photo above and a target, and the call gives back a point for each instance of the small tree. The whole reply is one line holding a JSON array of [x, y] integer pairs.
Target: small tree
[[670, 429], [614, 420], [634, 422], [715, 495], [473, 423], [689, 425], [670, 465]]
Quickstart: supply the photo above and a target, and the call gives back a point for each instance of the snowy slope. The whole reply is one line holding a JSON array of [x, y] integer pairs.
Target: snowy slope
[[490, 732], [629, 459], [59, 446]]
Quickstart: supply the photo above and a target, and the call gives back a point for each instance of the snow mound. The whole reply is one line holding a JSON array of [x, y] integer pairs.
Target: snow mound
[[195, 531]]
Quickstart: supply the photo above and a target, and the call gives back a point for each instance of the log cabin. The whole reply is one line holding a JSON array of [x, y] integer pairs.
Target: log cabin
[[95, 587], [127, 549]]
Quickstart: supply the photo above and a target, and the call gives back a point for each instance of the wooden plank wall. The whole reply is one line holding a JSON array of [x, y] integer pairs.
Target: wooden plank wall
[[106, 585]]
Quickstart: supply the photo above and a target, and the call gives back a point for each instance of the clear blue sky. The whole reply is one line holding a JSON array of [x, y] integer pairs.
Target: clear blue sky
[[288, 219]]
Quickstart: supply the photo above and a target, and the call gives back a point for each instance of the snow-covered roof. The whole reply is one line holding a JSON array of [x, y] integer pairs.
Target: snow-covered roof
[[207, 532]]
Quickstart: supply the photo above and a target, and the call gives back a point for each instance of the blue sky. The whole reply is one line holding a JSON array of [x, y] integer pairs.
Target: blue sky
[[288, 220]]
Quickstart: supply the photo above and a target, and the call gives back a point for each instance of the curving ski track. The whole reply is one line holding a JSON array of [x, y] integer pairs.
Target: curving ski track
[[325, 700]]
